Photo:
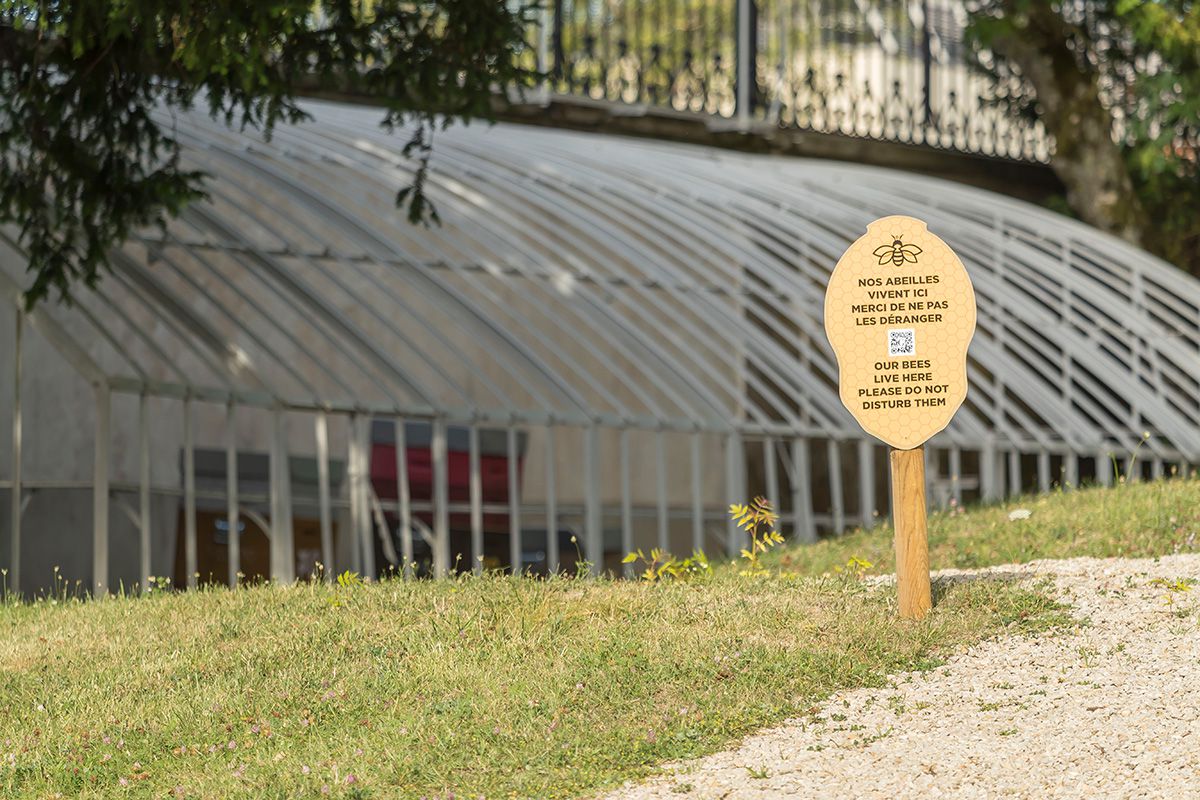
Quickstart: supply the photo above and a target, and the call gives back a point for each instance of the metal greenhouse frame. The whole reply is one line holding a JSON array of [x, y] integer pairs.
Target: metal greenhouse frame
[[651, 312]]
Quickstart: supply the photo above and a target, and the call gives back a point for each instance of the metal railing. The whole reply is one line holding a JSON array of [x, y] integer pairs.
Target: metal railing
[[891, 70]]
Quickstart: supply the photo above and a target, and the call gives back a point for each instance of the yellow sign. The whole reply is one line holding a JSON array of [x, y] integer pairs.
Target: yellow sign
[[899, 313]]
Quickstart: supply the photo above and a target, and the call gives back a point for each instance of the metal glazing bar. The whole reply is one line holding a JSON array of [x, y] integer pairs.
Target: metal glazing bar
[[476, 499], [681, 343], [626, 499], [366, 540], [176, 316], [660, 491], [770, 470], [697, 496], [931, 472], [232, 517], [230, 320], [189, 494], [318, 303], [802, 511], [675, 220], [745, 62], [100, 492], [323, 499], [283, 557], [247, 298], [1104, 468], [514, 504], [1071, 470], [593, 531], [289, 527], [381, 527], [837, 497], [14, 566], [605, 308], [988, 474], [144, 493], [956, 492], [551, 504], [602, 308], [866, 483], [734, 476], [114, 307], [545, 25], [441, 500], [354, 473], [329, 208], [404, 498]]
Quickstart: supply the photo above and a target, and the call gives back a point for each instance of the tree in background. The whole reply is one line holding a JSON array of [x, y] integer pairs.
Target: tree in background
[[85, 87], [1117, 83]]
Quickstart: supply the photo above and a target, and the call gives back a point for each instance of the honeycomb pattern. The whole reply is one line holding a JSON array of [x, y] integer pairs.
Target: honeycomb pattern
[[928, 396]]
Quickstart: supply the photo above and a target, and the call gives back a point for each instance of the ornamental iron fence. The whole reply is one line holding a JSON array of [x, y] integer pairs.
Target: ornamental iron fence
[[890, 70]]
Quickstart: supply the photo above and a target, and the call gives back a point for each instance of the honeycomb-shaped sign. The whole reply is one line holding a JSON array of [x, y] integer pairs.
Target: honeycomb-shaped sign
[[900, 313]]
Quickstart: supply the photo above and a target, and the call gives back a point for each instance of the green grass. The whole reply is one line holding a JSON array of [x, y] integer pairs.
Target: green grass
[[484, 687], [1130, 520], [498, 687]]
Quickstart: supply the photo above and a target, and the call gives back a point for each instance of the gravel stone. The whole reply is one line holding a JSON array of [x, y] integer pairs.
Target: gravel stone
[[1110, 710]]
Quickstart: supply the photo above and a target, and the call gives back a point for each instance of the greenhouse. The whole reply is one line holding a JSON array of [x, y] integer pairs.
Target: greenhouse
[[605, 342]]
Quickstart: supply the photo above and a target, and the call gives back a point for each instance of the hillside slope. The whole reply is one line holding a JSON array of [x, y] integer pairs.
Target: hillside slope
[[499, 687]]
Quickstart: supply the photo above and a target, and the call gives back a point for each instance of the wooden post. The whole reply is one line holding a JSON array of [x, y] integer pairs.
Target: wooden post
[[912, 547], [904, 384]]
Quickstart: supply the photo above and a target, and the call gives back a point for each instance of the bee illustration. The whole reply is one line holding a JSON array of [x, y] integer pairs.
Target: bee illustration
[[898, 252]]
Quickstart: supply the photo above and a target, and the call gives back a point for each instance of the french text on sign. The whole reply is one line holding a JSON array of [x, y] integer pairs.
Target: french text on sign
[[882, 313]]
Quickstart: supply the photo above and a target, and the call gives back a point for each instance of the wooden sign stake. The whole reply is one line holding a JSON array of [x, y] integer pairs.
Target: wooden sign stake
[[900, 314], [912, 546]]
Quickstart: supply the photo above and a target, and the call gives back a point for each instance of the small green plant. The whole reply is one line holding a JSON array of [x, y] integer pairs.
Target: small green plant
[[660, 565], [583, 567], [349, 578], [1173, 587], [1087, 655], [1131, 462], [157, 584], [758, 519], [854, 566], [346, 580], [865, 741], [1177, 585]]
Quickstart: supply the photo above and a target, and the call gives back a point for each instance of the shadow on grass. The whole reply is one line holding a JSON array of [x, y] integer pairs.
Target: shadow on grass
[[941, 584]]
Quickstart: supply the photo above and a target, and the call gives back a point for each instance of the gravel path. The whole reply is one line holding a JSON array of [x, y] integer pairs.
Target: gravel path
[[1109, 711]]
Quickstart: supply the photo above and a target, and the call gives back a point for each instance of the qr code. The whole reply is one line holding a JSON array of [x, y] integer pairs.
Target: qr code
[[902, 342]]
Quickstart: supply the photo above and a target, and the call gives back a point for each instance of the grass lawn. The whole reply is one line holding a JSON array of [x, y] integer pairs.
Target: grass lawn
[[1131, 520], [497, 687]]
